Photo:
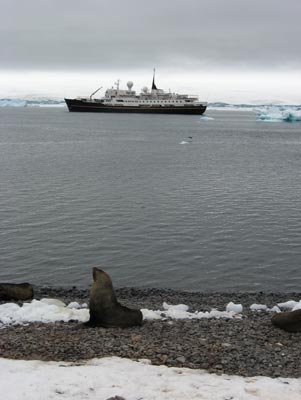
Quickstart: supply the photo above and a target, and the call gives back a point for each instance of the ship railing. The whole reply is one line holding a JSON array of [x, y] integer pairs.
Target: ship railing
[[187, 96]]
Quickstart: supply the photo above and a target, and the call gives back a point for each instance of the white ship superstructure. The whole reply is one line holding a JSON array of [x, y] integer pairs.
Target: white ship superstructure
[[152, 100], [147, 98]]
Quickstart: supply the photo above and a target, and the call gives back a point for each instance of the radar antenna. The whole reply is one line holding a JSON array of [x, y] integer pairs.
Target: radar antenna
[[95, 92]]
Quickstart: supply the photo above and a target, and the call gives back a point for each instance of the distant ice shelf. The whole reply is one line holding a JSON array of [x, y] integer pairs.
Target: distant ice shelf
[[267, 113], [41, 102]]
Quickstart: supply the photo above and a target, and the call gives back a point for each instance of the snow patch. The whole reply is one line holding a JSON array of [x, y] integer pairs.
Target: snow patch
[[45, 310], [53, 310], [290, 305], [180, 311], [111, 377], [232, 307]]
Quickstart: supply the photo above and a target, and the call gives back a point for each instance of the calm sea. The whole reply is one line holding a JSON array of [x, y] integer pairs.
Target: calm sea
[[219, 212]]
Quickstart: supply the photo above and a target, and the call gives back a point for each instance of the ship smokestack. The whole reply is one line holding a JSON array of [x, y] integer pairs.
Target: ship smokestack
[[154, 87]]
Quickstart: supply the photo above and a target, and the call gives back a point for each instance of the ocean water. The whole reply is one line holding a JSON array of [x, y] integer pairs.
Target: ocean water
[[159, 201]]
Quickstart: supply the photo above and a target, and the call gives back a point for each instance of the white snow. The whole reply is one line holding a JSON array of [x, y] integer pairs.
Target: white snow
[[45, 310], [236, 308], [259, 307], [52, 310], [180, 311], [76, 305], [264, 307], [290, 305], [275, 309], [297, 306], [109, 377]]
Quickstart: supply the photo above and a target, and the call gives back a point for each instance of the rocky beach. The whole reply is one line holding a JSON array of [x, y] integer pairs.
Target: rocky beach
[[247, 346]]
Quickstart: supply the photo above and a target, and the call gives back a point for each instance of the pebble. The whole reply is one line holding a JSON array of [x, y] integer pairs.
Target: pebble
[[245, 347]]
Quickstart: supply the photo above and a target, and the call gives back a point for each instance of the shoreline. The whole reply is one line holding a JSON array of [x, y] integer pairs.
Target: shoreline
[[153, 298], [250, 346]]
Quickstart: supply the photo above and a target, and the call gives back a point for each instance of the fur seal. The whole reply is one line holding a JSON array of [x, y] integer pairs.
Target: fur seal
[[16, 291], [289, 321], [105, 311]]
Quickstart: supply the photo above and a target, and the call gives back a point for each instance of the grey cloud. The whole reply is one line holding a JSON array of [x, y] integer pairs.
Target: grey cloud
[[98, 34]]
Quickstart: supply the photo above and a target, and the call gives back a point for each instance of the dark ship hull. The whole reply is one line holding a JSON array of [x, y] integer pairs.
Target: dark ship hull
[[75, 105]]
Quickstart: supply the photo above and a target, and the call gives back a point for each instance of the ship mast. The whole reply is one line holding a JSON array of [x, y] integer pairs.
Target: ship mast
[[154, 87]]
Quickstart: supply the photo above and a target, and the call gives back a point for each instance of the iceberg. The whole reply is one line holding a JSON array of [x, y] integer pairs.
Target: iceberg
[[34, 102], [279, 114]]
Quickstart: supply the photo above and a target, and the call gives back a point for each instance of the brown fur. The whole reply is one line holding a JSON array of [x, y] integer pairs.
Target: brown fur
[[104, 308], [16, 291], [289, 321]]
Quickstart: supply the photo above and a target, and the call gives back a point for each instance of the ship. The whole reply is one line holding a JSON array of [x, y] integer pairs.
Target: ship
[[150, 101]]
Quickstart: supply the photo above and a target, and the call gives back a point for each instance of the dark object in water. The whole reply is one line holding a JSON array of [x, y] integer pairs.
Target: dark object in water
[[289, 321], [104, 308], [16, 291]]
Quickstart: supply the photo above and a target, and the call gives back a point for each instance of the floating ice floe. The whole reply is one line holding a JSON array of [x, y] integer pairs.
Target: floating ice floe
[[278, 114], [205, 118]]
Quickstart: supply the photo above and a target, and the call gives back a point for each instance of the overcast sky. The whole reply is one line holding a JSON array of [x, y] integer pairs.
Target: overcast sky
[[196, 38]]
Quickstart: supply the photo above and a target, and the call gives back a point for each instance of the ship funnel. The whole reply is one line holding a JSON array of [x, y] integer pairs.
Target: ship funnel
[[154, 87]]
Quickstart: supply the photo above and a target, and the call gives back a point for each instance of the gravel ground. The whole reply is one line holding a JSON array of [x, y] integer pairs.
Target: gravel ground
[[249, 347]]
